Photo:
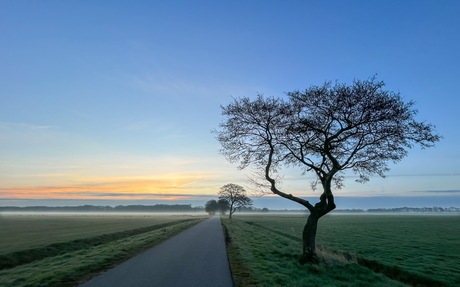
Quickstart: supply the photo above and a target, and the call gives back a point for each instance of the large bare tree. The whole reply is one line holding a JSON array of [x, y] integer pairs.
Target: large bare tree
[[326, 130]]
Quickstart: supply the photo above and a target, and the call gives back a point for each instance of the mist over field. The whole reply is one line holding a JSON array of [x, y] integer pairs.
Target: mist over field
[[270, 202]]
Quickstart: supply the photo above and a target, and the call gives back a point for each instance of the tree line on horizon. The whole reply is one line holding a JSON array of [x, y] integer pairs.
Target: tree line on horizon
[[118, 208], [189, 208]]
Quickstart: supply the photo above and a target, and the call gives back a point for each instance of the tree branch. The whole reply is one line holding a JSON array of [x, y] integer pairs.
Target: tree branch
[[273, 182]]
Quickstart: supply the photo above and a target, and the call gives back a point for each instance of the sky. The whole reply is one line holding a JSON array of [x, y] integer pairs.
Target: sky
[[113, 102]]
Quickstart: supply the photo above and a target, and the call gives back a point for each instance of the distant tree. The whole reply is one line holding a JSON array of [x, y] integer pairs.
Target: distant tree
[[211, 207], [325, 130], [265, 209], [223, 206], [236, 196]]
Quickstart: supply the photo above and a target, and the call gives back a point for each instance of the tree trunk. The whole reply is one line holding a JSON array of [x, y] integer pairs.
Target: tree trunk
[[309, 240], [231, 211], [320, 209]]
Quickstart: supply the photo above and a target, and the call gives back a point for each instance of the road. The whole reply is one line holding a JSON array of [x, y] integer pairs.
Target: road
[[195, 257]]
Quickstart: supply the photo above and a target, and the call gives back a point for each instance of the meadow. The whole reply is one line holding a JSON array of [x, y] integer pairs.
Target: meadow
[[67, 249], [357, 250]]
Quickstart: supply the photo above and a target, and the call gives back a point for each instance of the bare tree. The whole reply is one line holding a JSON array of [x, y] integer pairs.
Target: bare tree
[[325, 130], [235, 196]]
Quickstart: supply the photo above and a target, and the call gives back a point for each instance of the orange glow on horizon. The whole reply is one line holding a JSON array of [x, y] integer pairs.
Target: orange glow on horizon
[[163, 187]]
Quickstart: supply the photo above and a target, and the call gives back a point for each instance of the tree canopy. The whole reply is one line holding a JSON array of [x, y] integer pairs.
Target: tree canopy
[[325, 129], [211, 207], [235, 196], [223, 205]]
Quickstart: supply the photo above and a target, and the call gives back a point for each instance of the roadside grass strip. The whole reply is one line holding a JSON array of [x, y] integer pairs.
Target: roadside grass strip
[[76, 266]]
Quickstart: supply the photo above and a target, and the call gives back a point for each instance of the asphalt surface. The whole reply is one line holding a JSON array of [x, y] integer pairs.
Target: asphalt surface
[[195, 257]]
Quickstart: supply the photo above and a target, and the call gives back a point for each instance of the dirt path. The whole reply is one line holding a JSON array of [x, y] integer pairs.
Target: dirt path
[[195, 257]]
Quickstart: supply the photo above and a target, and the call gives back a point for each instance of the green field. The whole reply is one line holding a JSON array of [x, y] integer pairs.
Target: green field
[[67, 249], [24, 231], [359, 250]]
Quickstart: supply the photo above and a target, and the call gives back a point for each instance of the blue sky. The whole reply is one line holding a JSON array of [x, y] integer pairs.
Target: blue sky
[[114, 101]]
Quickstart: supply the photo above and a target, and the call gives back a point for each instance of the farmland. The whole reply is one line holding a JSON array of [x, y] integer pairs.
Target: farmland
[[66, 249], [357, 250]]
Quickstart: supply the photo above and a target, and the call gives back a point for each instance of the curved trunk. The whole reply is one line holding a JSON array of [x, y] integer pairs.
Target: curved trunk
[[309, 240], [323, 207], [320, 209]]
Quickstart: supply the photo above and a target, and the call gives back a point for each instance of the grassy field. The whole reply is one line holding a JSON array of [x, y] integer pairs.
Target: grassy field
[[359, 250], [25, 231], [65, 250]]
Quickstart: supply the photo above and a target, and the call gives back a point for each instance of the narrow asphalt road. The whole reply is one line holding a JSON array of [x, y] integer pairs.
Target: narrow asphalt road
[[195, 257]]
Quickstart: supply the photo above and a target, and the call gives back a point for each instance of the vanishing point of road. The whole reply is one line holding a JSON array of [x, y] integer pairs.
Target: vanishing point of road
[[194, 257]]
